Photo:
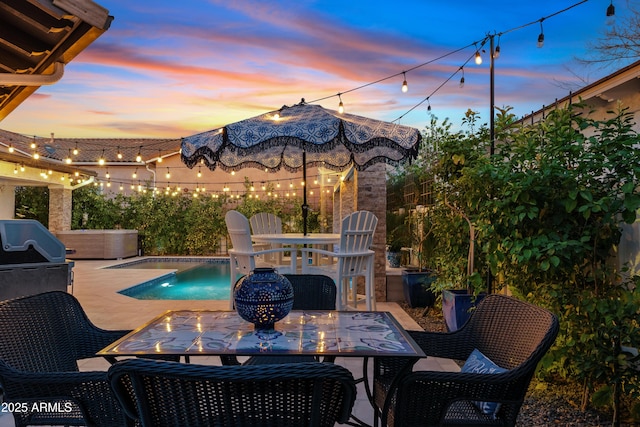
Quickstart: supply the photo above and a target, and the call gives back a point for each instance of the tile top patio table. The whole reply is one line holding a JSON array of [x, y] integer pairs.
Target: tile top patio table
[[309, 332]]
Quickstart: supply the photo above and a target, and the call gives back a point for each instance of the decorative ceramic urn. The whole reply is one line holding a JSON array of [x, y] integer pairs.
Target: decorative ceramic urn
[[263, 297]]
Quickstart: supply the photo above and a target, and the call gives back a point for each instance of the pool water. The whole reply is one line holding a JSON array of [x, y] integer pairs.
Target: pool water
[[191, 281]]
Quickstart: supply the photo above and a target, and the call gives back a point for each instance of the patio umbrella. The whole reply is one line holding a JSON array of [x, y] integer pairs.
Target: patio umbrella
[[301, 136]]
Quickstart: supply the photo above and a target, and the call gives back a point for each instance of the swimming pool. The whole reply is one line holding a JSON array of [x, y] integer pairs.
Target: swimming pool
[[197, 279]]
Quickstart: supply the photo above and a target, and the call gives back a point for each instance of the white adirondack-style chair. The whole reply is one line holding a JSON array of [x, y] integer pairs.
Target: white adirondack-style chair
[[243, 257], [354, 258], [267, 223]]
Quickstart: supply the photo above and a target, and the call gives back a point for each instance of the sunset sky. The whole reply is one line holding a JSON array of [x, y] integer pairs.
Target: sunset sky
[[175, 68]]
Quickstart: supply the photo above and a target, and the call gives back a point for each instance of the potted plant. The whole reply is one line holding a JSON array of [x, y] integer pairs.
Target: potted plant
[[397, 237], [455, 219], [419, 276]]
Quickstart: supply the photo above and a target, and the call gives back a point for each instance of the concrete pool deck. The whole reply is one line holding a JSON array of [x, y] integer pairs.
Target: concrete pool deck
[[96, 287]]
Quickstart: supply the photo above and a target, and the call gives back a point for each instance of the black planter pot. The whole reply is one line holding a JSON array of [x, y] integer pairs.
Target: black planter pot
[[415, 285], [456, 306]]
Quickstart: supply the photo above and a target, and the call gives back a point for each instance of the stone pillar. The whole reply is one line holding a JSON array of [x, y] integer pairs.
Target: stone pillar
[[7, 200], [371, 195], [367, 190], [60, 207]]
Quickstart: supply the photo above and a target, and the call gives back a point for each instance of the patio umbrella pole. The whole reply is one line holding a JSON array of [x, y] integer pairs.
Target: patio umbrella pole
[[305, 207]]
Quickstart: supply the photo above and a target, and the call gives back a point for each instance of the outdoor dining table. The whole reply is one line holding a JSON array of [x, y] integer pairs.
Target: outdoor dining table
[[295, 239], [302, 332]]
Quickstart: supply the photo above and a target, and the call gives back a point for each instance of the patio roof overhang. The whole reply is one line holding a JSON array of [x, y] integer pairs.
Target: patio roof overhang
[[25, 171], [38, 38]]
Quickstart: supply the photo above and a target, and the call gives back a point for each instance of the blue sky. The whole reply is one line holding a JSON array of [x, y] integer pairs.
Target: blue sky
[[172, 69]]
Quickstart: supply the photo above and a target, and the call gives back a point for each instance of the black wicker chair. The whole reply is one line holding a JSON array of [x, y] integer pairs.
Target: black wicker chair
[[159, 394], [310, 292], [513, 334], [42, 338]]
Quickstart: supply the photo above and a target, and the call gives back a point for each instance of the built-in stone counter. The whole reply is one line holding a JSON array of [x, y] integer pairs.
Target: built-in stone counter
[[100, 244]]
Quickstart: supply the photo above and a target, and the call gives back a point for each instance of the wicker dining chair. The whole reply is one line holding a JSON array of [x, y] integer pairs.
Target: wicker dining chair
[[170, 394], [43, 337], [513, 334], [310, 292]]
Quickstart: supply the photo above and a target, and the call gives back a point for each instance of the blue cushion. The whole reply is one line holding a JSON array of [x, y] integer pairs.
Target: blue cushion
[[478, 363]]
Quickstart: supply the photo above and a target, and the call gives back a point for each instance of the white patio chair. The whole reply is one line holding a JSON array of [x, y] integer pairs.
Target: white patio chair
[[243, 258], [353, 258], [267, 223]]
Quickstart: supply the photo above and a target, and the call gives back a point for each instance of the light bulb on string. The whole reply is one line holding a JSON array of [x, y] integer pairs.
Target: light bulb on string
[[139, 156], [405, 87], [101, 159], [119, 154], [159, 156], [462, 78], [33, 143], [75, 150], [11, 149], [478, 58], [611, 9], [496, 51], [199, 172], [168, 174], [340, 105], [541, 36], [428, 105], [134, 175], [68, 159]]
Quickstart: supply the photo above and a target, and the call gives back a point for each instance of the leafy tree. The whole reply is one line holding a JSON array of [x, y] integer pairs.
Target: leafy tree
[[547, 211], [91, 210], [32, 203]]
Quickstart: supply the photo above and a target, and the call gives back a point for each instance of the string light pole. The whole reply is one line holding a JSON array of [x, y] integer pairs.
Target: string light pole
[[492, 131], [492, 90]]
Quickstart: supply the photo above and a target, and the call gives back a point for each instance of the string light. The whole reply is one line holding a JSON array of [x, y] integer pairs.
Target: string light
[[68, 159], [101, 159], [134, 175], [11, 149], [199, 172], [541, 36], [107, 175], [340, 105], [75, 150], [168, 174], [33, 143], [475, 54], [405, 87], [611, 9], [478, 57]]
